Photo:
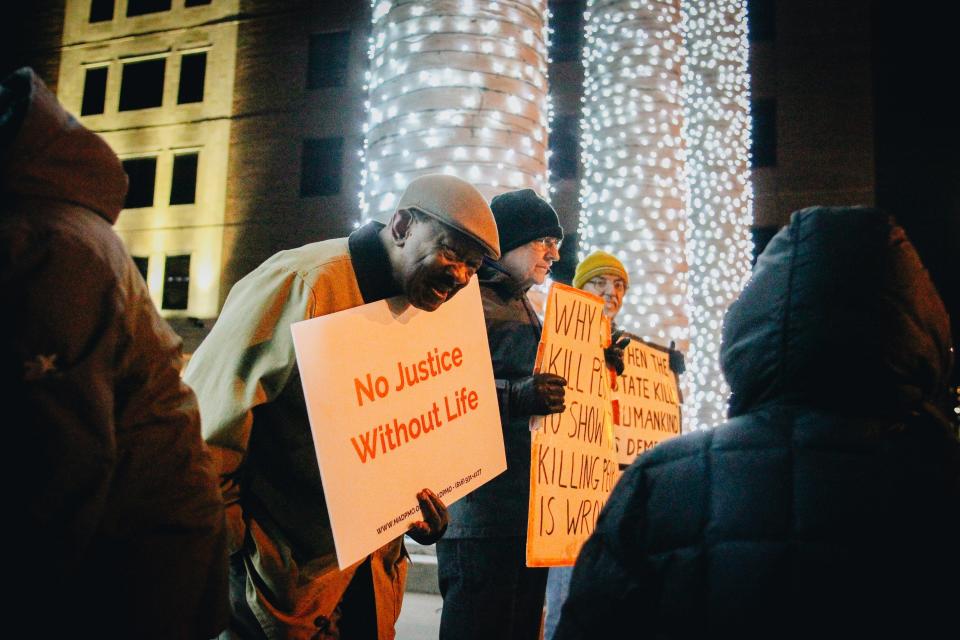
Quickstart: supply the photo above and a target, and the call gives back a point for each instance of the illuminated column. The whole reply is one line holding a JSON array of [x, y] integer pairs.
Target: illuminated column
[[457, 87], [717, 135], [632, 191]]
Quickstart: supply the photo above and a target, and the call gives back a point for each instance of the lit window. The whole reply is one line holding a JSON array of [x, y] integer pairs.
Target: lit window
[[176, 282], [193, 70], [329, 55], [142, 173], [101, 10], [141, 7], [94, 91], [320, 167], [141, 85], [183, 189]]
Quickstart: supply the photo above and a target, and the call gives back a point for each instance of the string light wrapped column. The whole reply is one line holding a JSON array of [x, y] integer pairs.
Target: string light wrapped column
[[456, 87], [632, 190], [717, 135]]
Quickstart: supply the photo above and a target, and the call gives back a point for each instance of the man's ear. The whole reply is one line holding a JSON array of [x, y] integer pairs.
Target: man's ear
[[401, 224]]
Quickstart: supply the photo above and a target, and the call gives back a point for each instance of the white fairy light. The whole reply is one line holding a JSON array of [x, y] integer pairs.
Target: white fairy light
[[666, 186], [632, 156], [459, 87], [717, 133]]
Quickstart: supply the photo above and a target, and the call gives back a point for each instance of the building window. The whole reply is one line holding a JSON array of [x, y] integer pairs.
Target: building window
[[183, 188], [763, 145], [94, 91], [142, 173], [101, 10], [193, 70], [176, 282], [141, 85], [196, 3], [761, 20], [143, 263], [142, 7], [329, 55], [563, 144], [320, 167]]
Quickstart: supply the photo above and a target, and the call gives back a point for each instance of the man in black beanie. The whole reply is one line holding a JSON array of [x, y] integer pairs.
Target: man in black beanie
[[487, 589]]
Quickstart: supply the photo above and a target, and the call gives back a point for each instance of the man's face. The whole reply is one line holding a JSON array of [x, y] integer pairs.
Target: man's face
[[436, 262], [611, 288], [530, 263]]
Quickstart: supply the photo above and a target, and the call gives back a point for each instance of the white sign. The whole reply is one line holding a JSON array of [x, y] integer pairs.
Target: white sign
[[398, 401]]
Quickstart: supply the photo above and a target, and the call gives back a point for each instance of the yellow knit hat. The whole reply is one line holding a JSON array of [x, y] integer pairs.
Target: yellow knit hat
[[598, 263]]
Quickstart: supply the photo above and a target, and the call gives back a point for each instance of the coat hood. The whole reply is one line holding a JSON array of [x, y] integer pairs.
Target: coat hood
[[840, 314], [46, 153]]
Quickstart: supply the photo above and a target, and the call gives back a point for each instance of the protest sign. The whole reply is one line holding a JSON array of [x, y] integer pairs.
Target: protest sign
[[398, 401], [646, 401], [573, 461]]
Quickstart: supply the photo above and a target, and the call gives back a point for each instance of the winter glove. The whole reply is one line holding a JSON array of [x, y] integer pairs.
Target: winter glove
[[677, 364], [614, 353], [537, 395], [435, 519]]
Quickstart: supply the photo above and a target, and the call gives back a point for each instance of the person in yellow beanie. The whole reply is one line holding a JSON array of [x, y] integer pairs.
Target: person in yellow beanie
[[602, 274]]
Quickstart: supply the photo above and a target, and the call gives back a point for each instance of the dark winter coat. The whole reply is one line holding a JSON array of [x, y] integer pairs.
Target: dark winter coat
[[498, 509], [118, 529], [828, 504]]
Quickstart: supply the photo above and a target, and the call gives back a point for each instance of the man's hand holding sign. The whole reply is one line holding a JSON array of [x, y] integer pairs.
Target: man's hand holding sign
[[435, 519]]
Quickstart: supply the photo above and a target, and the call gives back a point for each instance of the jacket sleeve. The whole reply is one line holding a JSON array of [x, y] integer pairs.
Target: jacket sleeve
[[246, 361], [611, 578]]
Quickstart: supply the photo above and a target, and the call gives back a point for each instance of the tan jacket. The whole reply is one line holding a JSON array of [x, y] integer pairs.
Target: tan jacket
[[254, 418]]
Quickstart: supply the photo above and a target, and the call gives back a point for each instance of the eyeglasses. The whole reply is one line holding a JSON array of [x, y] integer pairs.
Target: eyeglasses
[[601, 283], [548, 242]]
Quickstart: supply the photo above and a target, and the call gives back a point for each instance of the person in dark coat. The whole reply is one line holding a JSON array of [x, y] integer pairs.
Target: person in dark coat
[[118, 527], [828, 504], [488, 591]]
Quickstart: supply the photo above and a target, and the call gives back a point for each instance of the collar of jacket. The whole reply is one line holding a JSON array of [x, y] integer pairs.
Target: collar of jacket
[[492, 275], [371, 264]]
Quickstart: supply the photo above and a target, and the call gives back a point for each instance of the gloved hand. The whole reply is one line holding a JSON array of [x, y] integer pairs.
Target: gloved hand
[[614, 353], [537, 395], [435, 519], [677, 363]]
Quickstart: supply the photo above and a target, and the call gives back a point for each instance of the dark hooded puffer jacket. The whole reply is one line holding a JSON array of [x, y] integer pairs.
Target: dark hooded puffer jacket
[[117, 527], [827, 506]]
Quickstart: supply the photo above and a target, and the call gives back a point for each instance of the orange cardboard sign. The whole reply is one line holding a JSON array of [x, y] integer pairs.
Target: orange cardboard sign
[[646, 401], [573, 458]]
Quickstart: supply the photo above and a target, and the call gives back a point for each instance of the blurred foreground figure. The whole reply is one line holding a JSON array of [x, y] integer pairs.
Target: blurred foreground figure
[[828, 504], [120, 532]]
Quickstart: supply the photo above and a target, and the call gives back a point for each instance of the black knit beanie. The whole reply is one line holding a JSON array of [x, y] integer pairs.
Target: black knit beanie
[[523, 216]]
